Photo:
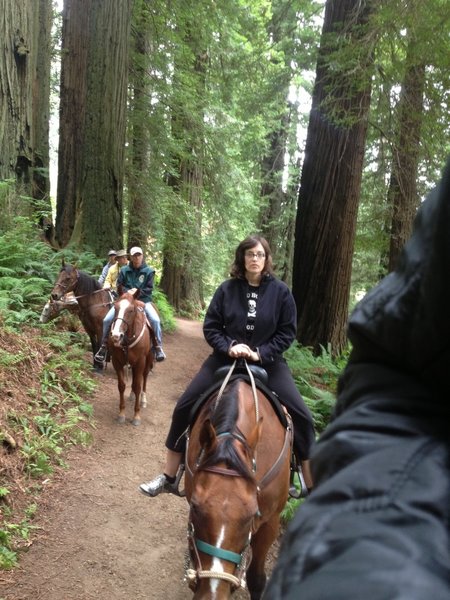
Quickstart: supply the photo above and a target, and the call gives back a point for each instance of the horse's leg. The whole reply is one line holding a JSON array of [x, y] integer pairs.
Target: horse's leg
[[136, 386], [261, 542], [148, 366], [121, 387]]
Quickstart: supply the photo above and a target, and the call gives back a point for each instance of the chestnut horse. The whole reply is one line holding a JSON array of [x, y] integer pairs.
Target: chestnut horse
[[93, 302], [237, 470], [130, 344]]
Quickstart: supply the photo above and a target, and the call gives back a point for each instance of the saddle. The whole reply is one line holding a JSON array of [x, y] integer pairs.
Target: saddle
[[261, 380]]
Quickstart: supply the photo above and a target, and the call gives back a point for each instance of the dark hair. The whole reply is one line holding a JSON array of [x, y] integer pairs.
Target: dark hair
[[238, 267]]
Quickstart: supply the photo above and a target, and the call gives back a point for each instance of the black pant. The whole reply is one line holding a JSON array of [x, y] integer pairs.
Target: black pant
[[280, 381]]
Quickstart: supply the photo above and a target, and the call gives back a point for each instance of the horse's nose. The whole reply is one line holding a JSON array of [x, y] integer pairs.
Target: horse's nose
[[117, 338], [54, 296]]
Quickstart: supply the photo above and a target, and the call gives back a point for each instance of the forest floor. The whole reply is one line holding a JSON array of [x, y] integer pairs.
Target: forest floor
[[98, 537]]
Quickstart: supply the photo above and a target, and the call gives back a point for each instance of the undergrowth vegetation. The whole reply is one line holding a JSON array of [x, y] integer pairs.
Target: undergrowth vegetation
[[45, 383], [45, 379], [316, 377]]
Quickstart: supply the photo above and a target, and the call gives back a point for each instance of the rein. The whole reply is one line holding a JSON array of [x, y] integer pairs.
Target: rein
[[141, 334], [66, 286]]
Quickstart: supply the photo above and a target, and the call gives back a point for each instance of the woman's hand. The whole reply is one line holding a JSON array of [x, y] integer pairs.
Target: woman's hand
[[243, 351]]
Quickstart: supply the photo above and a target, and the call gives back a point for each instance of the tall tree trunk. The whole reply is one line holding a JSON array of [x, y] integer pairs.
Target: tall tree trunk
[[182, 268], [41, 119], [331, 179], [24, 107], [95, 43], [272, 193], [139, 212], [402, 193], [276, 219]]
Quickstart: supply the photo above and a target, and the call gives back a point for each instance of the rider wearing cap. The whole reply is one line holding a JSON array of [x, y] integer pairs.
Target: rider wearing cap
[[113, 273], [111, 260], [137, 274]]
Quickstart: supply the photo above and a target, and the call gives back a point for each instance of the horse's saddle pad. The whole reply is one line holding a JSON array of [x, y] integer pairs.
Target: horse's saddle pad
[[270, 395]]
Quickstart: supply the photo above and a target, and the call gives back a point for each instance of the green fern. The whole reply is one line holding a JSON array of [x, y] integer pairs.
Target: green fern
[[316, 378]]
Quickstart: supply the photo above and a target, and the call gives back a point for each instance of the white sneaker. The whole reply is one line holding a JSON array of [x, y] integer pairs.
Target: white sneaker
[[157, 486]]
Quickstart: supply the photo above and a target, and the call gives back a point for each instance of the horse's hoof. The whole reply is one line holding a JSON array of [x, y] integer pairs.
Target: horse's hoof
[[136, 422], [121, 420]]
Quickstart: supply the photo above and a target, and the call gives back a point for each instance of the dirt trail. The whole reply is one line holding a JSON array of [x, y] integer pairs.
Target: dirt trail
[[101, 539]]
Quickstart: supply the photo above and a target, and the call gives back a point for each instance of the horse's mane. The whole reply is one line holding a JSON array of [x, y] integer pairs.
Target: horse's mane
[[87, 283], [223, 418]]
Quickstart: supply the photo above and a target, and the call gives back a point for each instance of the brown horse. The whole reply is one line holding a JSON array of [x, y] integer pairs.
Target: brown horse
[[130, 344], [93, 302], [237, 483]]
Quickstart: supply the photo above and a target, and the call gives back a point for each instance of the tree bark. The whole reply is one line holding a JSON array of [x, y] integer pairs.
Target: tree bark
[[402, 193], [94, 77], [331, 180], [24, 107], [139, 203], [183, 243]]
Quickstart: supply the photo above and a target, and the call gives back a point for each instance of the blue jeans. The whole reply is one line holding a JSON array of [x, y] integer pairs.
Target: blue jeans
[[107, 320], [155, 321]]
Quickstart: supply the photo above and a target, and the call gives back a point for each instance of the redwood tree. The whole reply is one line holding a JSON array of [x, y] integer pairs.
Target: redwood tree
[[24, 105], [95, 46], [402, 195], [331, 176]]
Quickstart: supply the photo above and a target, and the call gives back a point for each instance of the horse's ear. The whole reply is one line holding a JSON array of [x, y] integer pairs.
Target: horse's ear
[[207, 437], [135, 292], [255, 435], [63, 262]]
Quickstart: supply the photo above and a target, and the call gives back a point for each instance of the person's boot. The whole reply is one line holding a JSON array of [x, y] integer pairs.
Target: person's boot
[[102, 353], [159, 354]]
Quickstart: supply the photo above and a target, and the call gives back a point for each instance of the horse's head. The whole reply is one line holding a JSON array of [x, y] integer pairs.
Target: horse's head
[[66, 282], [125, 310], [224, 505], [53, 308]]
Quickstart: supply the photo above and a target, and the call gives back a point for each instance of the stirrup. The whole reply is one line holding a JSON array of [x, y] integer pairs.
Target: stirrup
[[293, 491], [101, 354], [176, 483]]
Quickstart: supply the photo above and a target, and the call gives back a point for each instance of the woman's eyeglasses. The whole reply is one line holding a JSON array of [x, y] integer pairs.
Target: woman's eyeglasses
[[258, 255]]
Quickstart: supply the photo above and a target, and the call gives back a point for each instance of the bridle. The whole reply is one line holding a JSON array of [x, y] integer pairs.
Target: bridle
[[130, 341], [240, 560], [70, 285]]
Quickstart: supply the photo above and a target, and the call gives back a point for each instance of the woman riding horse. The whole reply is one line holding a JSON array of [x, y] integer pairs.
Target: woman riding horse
[[251, 316]]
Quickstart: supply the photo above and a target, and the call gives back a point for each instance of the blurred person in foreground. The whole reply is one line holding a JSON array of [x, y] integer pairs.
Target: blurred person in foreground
[[377, 524]]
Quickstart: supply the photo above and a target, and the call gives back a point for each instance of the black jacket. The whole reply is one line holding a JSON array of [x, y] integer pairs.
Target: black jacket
[[377, 524], [275, 324]]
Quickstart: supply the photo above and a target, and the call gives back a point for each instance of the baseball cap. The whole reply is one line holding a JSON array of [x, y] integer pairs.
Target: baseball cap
[[112, 253], [135, 250], [120, 253]]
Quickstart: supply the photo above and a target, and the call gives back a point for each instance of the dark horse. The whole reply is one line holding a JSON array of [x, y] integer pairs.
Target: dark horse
[[130, 344], [93, 302], [237, 482]]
